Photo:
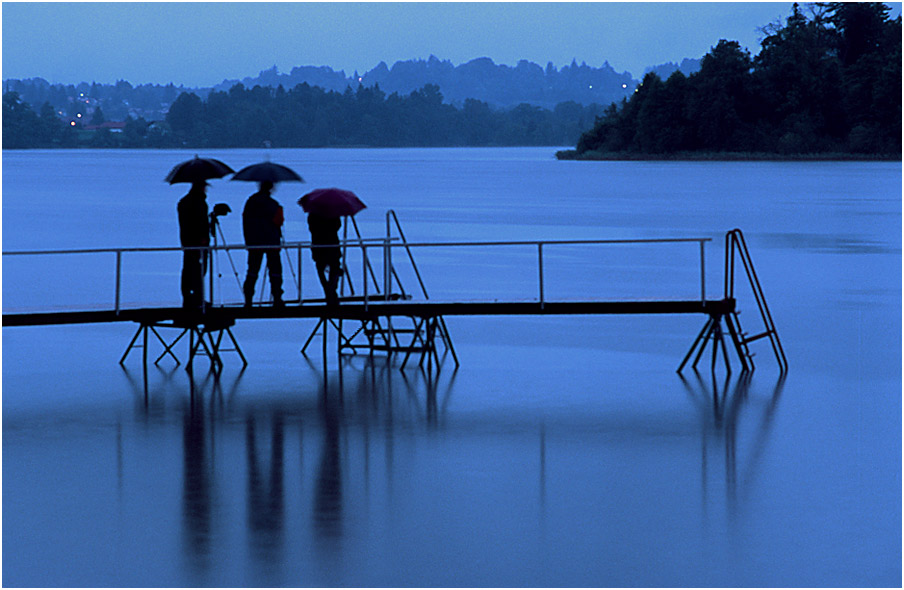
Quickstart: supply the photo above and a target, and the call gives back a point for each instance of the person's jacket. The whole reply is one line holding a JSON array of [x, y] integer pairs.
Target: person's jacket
[[262, 220], [194, 225], [324, 230]]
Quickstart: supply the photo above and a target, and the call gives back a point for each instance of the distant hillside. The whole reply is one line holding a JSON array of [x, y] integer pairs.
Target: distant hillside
[[498, 85], [687, 67], [481, 79]]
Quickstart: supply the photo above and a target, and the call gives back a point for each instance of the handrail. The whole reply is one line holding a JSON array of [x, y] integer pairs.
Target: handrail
[[387, 243], [548, 242], [540, 243], [398, 225], [284, 245], [368, 267], [735, 243]]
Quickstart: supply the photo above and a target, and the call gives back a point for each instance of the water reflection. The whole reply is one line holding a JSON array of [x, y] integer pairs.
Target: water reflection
[[352, 396], [265, 498], [328, 495], [308, 456], [197, 488], [721, 405]]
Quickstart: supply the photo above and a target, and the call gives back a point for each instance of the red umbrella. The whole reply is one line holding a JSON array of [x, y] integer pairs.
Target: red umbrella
[[331, 202]]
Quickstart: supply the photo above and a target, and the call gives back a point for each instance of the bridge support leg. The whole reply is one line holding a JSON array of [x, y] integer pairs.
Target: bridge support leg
[[704, 333], [712, 330], [211, 346]]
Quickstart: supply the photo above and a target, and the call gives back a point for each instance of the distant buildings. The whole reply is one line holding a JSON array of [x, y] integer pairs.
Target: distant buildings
[[112, 126]]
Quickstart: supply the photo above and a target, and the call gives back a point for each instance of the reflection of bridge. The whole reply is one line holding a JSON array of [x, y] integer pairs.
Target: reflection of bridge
[[302, 462], [378, 305]]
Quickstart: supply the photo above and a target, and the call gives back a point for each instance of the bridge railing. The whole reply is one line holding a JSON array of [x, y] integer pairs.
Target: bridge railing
[[158, 280], [541, 248]]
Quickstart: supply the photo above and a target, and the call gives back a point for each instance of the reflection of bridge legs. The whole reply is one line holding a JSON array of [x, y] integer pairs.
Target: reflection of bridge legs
[[721, 409], [204, 338]]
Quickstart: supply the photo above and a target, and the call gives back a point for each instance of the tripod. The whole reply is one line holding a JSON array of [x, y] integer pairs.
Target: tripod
[[214, 227], [289, 265]]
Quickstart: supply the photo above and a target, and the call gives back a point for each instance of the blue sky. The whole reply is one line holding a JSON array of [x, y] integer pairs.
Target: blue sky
[[201, 44]]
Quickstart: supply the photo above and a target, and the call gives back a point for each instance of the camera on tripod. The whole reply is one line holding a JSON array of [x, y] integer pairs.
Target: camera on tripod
[[219, 210]]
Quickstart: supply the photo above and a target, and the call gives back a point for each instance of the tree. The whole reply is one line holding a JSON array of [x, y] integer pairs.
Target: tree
[[720, 102], [21, 126], [98, 117], [51, 126], [662, 123], [184, 116], [861, 28], [800, 81]]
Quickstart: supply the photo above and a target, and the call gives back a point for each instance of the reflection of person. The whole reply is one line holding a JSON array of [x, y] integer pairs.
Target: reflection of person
[[197, 490], [325, 232], [262, 222], [328, 493], [266, 510], [194, 230]]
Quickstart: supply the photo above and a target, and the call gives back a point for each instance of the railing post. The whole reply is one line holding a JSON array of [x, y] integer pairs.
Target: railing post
[[299, 275], [118, 277], [540, 265], [387, 265], [702, 272], [210, 271], [364, 271]]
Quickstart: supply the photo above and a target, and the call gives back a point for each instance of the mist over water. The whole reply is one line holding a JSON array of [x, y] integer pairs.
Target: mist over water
[[565, 451]]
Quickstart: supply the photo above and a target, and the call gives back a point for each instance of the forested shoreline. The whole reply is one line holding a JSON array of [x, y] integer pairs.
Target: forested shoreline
[[307, 116], [825, 85]]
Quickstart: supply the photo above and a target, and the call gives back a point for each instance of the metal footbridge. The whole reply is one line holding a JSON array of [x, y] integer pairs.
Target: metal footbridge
[[377, 314]]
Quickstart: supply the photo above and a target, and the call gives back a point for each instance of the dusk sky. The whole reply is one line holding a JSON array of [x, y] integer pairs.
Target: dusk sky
[[201, 44]]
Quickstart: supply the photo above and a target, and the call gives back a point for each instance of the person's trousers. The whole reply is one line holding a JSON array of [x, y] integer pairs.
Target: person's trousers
[[274, 267], [329, 271], [193, 269]]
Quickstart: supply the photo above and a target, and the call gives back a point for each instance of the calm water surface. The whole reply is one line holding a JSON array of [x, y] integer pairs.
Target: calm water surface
[[564, 451]]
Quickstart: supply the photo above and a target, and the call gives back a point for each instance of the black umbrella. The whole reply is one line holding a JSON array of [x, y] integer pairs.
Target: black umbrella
[[198, 170], [267, 172]]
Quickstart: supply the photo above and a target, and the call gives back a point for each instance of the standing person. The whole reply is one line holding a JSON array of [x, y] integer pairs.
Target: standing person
[[325, 232], [194, 230], [262, 222]]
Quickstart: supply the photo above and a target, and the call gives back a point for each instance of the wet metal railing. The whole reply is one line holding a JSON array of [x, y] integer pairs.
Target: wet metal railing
[[539, 245], [386, 245]]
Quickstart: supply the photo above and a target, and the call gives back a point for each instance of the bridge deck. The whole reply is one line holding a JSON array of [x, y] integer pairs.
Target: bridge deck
[[374, 309]]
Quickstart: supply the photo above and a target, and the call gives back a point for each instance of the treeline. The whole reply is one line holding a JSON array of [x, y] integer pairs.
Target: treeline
[[497, 84], [307, 116], [825, 83], [118, 101]]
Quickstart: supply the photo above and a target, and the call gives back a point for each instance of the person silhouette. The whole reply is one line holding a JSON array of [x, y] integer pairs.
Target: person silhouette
[[325, 232], [262, 221], [194, 231]]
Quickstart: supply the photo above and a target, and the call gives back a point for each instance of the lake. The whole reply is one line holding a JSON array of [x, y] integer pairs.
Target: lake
[[564, 451]]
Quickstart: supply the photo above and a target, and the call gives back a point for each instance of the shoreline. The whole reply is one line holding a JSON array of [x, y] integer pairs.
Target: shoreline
[[724, 157]]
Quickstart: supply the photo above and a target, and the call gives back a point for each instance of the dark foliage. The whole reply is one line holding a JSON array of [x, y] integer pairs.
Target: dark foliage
[[308, 116], [827, 83]]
